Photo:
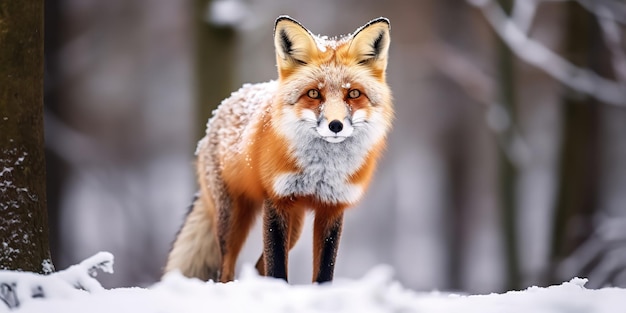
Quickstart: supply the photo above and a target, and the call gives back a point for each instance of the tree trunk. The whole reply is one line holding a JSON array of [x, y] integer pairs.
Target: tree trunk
[[576, 199], [56, 166], [23, 216], [215, 54], [507, 169]]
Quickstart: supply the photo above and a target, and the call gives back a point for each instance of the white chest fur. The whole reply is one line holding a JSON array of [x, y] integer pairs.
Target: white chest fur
[[326, 170], [325, 167]]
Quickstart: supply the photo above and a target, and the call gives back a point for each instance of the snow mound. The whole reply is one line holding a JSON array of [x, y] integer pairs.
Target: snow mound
[[375, 292], [18, 288]]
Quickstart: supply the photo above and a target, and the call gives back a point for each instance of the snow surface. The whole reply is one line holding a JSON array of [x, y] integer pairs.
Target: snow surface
[[75, 290]]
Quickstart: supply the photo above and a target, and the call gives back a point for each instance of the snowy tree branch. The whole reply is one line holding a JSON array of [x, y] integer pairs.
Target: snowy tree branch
[[19, 287], [82, 275], [534, 53], [523, 14], [602, 254]]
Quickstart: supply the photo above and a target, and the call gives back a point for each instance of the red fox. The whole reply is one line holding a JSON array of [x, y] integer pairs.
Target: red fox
[[309, 140]]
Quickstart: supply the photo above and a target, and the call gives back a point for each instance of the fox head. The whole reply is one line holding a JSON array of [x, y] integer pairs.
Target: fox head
[[332, 89]]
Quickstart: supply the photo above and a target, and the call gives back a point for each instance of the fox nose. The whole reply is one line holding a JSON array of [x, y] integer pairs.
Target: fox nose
[[335, 126]]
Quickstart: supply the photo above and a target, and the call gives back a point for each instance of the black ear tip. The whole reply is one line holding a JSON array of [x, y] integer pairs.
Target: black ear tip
[[372, 22], [379, 20], [286, 18]]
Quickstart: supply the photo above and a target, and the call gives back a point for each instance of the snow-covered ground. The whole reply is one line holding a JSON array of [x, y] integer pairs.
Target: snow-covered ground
[[75, 290]]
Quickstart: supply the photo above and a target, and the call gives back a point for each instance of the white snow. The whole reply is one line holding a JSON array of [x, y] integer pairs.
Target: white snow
[[376, 292], [6, 170], [18, 289], [47, 267], [325, 42]]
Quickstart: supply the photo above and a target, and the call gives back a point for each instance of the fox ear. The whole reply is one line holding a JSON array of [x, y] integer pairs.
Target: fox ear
[[294, 44], [370, 44]]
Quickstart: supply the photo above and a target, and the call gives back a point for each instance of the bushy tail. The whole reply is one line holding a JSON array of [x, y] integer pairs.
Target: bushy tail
[[196, 252]]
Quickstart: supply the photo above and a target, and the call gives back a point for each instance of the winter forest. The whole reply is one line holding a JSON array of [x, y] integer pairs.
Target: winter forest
[[505, 168]]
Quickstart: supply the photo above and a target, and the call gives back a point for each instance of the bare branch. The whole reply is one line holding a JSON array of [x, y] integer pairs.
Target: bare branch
[[480, 87], [613, 39], [617, 9]]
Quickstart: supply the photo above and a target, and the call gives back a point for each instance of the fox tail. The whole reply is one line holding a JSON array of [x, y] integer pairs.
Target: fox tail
[[195, 252]]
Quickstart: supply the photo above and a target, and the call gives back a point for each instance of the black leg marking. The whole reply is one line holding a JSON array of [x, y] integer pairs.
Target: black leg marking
[[275, 246], [329, 252]]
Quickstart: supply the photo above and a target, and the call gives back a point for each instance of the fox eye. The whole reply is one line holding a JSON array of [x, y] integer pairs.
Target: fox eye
[[313, 94], [354, 93]]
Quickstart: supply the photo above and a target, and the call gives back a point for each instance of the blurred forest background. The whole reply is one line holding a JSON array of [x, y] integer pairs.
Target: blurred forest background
[[506, 167]]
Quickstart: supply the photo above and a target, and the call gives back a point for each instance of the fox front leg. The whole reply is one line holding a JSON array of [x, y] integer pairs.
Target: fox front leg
[[275, 232], [326, 235]]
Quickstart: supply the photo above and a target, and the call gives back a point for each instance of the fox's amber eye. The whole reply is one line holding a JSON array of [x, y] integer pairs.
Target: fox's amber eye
[[313, 94], [354, 93]]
